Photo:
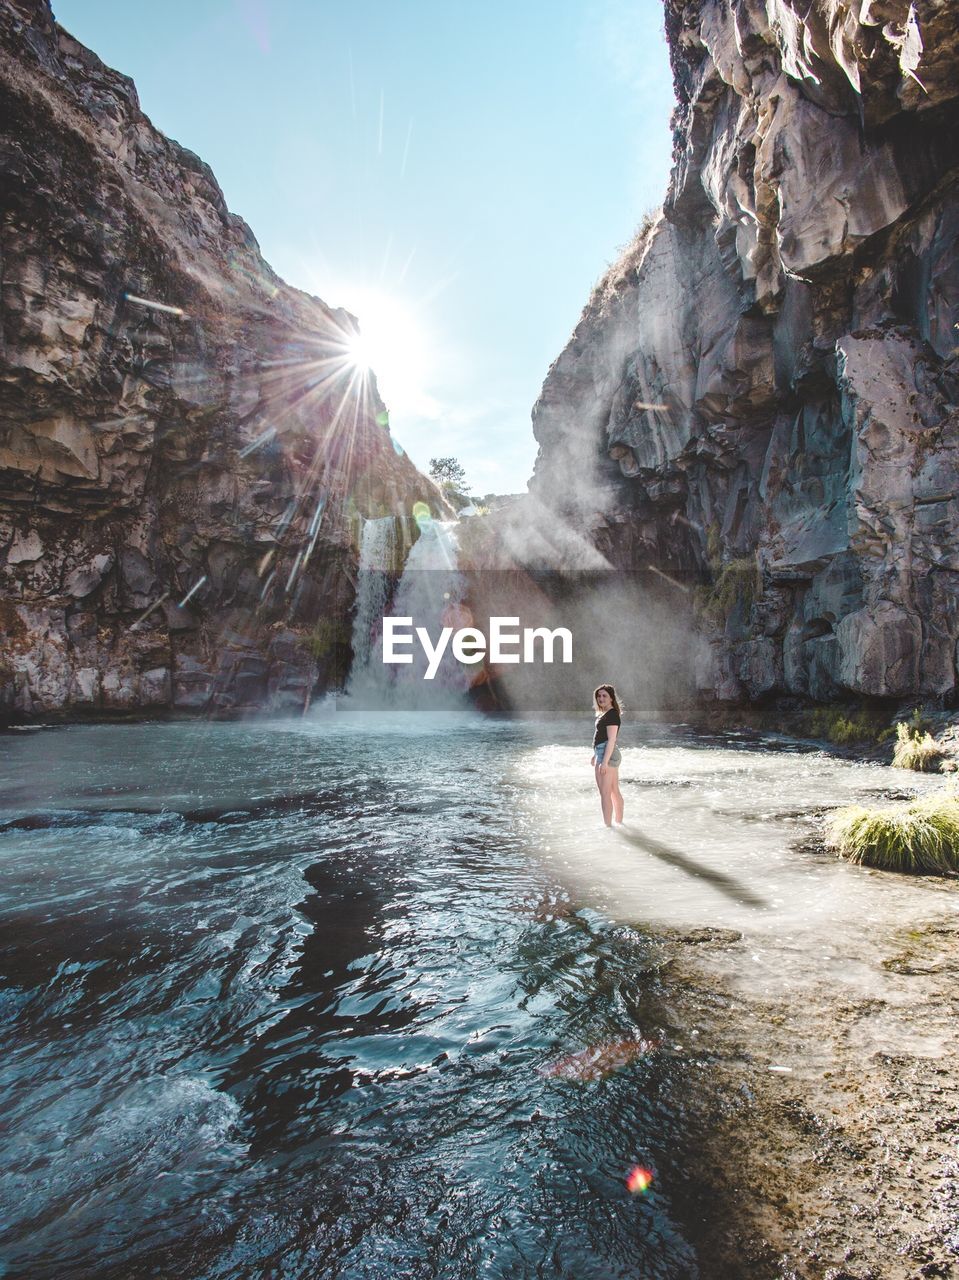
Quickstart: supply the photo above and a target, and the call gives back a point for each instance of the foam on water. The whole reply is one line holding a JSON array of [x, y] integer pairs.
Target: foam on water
[[155, 1146]]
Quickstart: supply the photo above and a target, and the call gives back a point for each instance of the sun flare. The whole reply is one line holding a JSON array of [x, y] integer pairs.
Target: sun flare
[[392, 346]]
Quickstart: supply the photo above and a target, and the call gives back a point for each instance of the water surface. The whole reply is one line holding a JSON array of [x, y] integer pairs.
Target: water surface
[[375, 995]]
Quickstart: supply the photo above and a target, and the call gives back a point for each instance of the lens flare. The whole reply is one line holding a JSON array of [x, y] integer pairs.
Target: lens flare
[[146, 612], [360, 351], [263, 438], [192, 592], [638, 1180], [668, 578], [422, 514], [154, 305]]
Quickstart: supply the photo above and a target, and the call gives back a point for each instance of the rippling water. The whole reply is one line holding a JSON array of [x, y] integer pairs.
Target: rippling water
[[374, 995]]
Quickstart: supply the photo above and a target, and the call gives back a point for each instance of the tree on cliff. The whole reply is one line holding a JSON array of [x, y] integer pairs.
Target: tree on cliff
[[448, 471], [450, 475]]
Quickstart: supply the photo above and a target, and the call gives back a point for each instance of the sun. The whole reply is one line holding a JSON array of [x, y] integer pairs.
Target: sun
[[391, 345], [361, 352]]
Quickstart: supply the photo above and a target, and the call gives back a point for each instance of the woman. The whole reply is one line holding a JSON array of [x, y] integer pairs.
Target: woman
[[606, 754]]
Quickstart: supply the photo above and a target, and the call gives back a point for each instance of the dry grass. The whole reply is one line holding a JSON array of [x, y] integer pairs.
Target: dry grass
[[622, 273], [916, 750], [919, 837]]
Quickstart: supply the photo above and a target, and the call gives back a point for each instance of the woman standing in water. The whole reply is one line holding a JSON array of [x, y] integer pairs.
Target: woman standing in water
[[606, 754]]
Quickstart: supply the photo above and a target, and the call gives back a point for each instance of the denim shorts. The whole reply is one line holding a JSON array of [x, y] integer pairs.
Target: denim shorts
[[614, 761]]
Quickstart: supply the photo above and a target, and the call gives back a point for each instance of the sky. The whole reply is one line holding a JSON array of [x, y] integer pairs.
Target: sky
[[456, 175]]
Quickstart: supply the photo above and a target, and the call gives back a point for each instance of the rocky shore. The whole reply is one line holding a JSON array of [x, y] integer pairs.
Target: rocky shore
[[823, 1118]]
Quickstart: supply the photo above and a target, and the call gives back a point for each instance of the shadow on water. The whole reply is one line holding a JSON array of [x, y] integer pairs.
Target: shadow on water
[[288, 1078], [729, 886]]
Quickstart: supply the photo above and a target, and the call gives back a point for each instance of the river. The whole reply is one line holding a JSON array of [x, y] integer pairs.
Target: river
[[375, 994]]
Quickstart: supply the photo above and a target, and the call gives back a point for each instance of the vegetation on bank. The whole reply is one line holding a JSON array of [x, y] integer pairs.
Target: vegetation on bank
[[867, 726], [845, 726], [916, 749], [917, 837]]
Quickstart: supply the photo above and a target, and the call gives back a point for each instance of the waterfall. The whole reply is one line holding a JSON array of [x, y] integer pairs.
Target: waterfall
[[430, 590], [378, 556]]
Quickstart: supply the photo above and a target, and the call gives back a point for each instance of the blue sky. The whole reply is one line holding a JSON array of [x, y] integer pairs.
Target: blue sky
[[457, 175]]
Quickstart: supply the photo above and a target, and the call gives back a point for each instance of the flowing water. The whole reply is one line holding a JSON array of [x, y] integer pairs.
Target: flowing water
[[429, 594], [348, 996]]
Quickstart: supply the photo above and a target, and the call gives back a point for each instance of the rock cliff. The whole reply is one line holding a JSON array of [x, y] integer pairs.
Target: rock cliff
[[185, 446], [762, 394]]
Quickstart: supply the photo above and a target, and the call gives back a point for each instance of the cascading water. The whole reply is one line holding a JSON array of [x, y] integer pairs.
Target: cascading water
[[430, 590], [378, 555]]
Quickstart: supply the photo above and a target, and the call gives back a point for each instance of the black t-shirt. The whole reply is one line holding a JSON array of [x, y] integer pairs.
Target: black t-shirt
[[602, 726]]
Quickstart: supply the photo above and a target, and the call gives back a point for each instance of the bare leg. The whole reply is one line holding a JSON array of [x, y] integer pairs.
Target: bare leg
[[603, 795], [605, 784], [617, 796]]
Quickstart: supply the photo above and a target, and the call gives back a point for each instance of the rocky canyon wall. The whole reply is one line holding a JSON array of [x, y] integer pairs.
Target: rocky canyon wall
[[219, 446], [760, 398]]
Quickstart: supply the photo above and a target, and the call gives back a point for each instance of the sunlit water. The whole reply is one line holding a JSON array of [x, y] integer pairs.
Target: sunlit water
[[300, 999]]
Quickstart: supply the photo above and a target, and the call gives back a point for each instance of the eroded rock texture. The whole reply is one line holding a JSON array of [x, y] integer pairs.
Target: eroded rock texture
[[763, 392], [216, 439]]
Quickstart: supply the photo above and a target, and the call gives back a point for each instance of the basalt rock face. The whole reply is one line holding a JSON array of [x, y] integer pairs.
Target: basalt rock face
[[219, 441], [761, 397]]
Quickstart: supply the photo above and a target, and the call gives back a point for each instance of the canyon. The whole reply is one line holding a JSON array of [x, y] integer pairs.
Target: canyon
[[760, 398], [757, 409], [187, 450]]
